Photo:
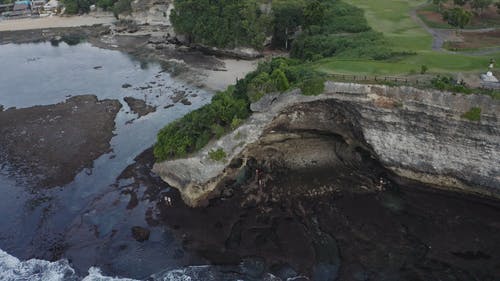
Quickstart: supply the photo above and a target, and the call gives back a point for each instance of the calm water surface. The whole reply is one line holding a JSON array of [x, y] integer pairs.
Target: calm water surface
[[32, 220]]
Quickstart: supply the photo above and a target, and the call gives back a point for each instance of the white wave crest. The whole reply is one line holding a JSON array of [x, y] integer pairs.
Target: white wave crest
[[12, 269]]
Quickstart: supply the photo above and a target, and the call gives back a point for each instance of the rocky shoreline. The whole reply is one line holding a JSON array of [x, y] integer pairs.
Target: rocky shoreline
[[416, 134], [309, 190], [319, 225], [195, 64], [49, 145]]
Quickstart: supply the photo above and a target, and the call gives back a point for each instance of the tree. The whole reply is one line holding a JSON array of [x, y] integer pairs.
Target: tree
[[77, 6], [457, 17], [460, 2], [498, 7], [106, 5], [121, 6], [288, 17], [439, 4], [314, 14], [480, 5], [221, 23]]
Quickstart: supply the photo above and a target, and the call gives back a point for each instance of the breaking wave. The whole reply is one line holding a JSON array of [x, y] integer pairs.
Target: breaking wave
[[13, 269]]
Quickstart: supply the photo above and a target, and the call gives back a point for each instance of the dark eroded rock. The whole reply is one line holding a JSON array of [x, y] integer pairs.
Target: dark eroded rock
[[140, 234], [139, 107], [52, 143]]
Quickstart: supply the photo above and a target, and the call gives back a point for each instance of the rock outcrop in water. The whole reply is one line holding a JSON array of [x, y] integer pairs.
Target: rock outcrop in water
[[414, 133], [48, 145]]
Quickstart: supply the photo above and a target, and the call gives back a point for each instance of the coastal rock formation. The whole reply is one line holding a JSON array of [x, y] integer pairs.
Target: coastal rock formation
[[416, 134], [152, 12], [139, 107], [50, 144]]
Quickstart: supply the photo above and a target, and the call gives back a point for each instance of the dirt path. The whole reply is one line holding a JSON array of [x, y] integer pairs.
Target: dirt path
[[441, 35]]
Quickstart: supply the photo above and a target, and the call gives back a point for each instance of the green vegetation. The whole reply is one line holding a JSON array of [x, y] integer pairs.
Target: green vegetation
[[223, 23], [77, 6], [474, 114], [83, 6], [392, 19], [457, 17], [196, 129], [217, 155], [119, 7], [323, 36], [446, 83], [229, 108]]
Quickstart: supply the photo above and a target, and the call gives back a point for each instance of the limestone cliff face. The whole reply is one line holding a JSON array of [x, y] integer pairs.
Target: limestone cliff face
[[416, 134], [153, 12]]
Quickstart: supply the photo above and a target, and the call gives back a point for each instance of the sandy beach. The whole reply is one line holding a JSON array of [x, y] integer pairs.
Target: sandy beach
[[218, 80], [55, 21]]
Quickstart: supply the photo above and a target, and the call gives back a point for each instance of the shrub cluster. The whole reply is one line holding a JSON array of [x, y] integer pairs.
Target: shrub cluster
[[229, 108], [474, 114], [447, 83], [83, 6], [217, 155], [222, 23]]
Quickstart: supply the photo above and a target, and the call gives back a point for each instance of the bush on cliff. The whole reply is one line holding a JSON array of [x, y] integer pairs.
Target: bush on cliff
[[229, 108], [474, 114], [196, 129], [447, 83]]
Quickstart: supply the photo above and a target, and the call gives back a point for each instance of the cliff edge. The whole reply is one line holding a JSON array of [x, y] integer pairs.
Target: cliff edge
[[416, 134]]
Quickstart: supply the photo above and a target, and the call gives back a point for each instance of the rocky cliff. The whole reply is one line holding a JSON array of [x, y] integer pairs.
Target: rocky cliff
[[152, 12], [412, 133]]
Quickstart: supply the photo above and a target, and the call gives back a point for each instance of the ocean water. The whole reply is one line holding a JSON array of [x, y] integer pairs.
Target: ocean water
[[12, 269], [34, 220]]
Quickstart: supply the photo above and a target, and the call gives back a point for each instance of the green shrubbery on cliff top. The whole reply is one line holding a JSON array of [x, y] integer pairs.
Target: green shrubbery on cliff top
[[228, 108], [311, 29], [230, 23]]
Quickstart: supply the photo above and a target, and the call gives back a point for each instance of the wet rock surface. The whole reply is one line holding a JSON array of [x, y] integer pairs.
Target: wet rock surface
[[49, 145], [140, 234], [140, 107], [70, 35], [343, 222]]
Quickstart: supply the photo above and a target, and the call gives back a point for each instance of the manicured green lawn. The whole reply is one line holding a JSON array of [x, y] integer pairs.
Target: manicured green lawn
[[435, 61], [392, 17]]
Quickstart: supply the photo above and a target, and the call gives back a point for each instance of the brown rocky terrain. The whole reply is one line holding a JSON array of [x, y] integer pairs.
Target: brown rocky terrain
[[50, 144], [138, 106]]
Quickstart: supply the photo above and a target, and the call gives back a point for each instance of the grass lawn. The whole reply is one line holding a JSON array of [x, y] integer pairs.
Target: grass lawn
[[392, 17], [432, 17], [439, 63]]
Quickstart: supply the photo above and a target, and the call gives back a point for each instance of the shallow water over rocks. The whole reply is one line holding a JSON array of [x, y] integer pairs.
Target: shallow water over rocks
[[291, 228], [35, 221]]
